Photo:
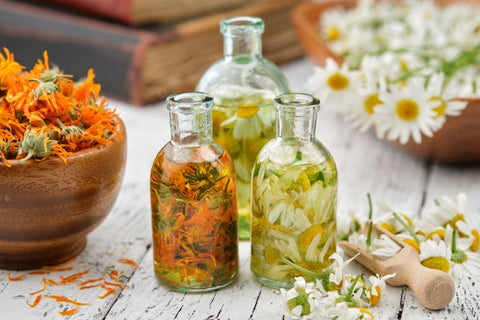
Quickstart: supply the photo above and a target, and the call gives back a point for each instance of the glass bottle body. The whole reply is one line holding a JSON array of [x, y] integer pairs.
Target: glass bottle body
[[244, 85], [194, 213], [294, 190]]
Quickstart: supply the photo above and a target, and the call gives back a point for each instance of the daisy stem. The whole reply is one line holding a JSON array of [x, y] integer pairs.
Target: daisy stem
[[352, 287], [321, 276], [405, 225], [454, 241], [370, 214]]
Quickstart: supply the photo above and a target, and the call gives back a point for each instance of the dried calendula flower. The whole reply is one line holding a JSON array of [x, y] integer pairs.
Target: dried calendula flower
[[43, 112], [35, 145]]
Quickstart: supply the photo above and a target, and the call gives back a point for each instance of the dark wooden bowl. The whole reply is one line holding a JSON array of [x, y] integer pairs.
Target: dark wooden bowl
[[47, 208], [459, 139]]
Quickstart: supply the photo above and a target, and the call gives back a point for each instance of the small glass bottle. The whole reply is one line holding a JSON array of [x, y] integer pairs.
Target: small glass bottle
[[294, 188], [243, 85], [193, 202]]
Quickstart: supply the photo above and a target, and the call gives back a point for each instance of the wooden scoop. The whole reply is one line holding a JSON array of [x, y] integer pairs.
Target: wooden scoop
[[434, 288]]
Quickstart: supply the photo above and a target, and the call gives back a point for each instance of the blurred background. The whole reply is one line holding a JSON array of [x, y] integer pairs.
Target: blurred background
[[141, 50]]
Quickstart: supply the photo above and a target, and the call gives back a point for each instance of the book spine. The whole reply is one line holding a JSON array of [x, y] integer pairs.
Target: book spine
[[76, 44], [119, 10]]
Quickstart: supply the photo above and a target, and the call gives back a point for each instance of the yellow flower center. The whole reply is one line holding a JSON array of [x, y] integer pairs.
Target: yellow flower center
[[440, 110], [407, 219], [338, 81], [476, 241], [365, 311], [374, 299], [388, 227], [407, 109], [453, 222], [439, 263], [272, 255], [371, 102], [439, 232], [403, 65], [333, 33], [247, 110], [307, 236], [413, 244]]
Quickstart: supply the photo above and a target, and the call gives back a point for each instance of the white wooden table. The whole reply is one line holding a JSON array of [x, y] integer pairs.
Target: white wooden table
[[364, 164]]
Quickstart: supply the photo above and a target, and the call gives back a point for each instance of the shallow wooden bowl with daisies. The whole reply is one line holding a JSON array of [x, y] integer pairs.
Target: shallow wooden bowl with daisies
[[458, 141], [47, 207]]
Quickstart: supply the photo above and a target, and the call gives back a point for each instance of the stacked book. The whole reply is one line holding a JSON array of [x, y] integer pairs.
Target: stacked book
[[141, 50]]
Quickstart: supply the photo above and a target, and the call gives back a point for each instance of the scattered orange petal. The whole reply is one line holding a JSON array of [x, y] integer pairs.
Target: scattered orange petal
[[109, 292], [38, 272], [128, 261], [36, 301], [90, 281], [17, 278], [114, 284], [65, 299], [69, 312]]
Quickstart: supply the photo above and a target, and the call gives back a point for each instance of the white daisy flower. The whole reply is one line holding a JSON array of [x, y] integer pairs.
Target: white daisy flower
[[336, 86], [407, 111], [468, 231], [435, 255], [337, 268], [359, 240], [462, 261], [384, 248], [347, 225], [377, 285], [361, 114], [249, 121], [448, 106], [300, 302], [448, 211]]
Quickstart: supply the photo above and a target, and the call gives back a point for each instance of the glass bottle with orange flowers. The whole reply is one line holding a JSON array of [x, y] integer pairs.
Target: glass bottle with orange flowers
[[193, 201]]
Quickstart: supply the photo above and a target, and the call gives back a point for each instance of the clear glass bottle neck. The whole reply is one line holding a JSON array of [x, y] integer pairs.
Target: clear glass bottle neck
[[297, 126], [249, 45], [296, 116], [190, 118], [191, 129], [242, 36]]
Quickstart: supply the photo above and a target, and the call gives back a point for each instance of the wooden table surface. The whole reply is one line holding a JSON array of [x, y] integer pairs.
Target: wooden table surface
[[365, 164]]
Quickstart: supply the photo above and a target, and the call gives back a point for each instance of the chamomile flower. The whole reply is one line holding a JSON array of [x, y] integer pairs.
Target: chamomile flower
[[448, 211], [336, 86], [337, 268], [462, 261], [435, 255], [300, 302], [407, 112], [448, 106], [249, 121], [360, 113], [377, 287], [346, 225], [384, 247], [468, 231]]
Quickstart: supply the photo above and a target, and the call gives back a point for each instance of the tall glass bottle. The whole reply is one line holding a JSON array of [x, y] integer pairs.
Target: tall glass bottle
[[193, 201], [294, 189], [243, 84]]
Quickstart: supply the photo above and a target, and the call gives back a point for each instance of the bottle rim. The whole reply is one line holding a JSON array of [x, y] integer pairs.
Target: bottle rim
[[296, 102], [241, 26], [189, 102]]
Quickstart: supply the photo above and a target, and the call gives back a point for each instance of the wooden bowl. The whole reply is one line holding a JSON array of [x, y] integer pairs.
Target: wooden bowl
[[47, 208], [459, 139]]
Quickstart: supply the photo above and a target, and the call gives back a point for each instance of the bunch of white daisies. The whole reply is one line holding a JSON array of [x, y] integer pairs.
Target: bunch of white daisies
[[334, 295], [443, 238], [410, 60]]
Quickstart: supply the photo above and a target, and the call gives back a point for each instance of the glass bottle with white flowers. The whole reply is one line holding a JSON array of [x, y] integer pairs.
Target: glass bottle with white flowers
[[294, 188], [243, 84]]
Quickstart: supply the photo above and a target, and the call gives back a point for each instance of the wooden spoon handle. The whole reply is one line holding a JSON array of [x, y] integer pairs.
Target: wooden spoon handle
[[434, 288]]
